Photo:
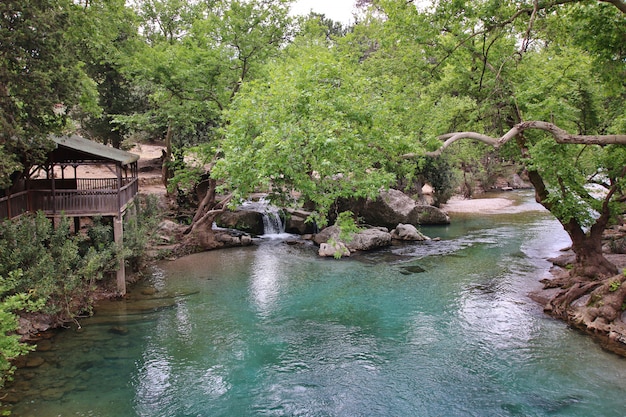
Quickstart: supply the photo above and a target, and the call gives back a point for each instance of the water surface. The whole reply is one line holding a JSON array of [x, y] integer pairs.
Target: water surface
[[422, 329]]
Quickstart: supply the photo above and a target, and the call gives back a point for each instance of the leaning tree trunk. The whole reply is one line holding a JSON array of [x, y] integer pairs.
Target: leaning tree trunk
[[590, 261], [200, 233]]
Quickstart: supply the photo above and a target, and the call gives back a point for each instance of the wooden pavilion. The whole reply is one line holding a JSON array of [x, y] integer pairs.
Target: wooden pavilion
[[59, 186]]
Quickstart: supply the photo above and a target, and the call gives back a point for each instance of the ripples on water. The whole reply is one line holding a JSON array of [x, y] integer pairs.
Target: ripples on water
[[429, 329]]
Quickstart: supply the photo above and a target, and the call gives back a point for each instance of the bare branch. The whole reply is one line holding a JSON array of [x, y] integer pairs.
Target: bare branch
[[560, 136], [526, 40]]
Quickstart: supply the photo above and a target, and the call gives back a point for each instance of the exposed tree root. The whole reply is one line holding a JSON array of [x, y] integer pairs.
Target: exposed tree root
[[595, 307]]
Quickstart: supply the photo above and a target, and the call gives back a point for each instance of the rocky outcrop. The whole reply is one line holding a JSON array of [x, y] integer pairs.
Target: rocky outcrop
[[393, 207], [248, 221], [369, 239], [296, 222]]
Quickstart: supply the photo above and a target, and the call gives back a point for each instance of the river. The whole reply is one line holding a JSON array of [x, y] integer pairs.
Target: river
[[441, 328]]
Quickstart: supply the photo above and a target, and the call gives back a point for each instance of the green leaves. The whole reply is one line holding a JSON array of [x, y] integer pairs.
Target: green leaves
[[311, 128]]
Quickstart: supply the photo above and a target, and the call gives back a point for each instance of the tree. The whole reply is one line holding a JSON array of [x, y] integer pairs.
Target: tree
[[195, 70], [454, 67], [40, 77], [106, 36], [296, 133], [560, 187]]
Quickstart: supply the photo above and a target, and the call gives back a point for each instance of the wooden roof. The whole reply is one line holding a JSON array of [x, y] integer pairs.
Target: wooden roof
[[76, 148]]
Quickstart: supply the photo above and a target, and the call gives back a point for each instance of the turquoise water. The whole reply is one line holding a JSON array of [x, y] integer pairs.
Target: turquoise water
[[273, 330]]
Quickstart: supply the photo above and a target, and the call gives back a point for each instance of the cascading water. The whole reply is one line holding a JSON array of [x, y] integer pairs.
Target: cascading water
[[272, 222]]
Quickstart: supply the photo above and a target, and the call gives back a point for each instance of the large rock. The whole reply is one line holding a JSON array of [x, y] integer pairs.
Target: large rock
[[408, 232], [296, 222], [393, 207], [334, 249], [367, 239], [248, 221]]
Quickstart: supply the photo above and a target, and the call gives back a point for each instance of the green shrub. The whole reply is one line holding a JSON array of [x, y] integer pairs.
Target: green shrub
[[46, 268], [140, 229], [347, 226], [10, 345]]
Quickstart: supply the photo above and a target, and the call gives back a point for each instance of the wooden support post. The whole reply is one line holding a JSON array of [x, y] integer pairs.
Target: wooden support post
[[118, 236]]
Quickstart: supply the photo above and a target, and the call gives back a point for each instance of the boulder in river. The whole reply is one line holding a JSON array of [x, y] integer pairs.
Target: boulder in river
[[408, 232], [364, 240]]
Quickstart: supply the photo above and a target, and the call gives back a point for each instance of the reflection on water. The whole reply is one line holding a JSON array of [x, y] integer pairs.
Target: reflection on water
[[265, 279], [421, 329]]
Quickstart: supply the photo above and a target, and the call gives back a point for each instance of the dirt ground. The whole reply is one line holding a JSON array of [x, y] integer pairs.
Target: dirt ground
[[149, 168], [149, 165]]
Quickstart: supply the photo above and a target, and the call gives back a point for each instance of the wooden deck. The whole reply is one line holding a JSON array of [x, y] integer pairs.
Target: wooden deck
[[75, 197]]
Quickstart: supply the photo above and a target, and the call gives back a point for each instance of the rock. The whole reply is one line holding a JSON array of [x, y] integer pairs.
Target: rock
[[149, 291], [44, 345], [325, 234], [245, 220], [34, 361], [518, 183], [296, 222], [369, 239], [35, 323], [334, 249], [168, 226], [10, 397], [411, 269], [408, 232], [563, 260], [393, 207], [425, 214], [52, 394], [119, 330]]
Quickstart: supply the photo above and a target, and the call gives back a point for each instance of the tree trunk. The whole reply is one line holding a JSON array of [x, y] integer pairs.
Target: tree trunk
[[166, 173], [590, 261]]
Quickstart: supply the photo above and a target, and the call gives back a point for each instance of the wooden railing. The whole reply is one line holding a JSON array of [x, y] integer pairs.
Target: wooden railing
[[14, 205], [93, 196]]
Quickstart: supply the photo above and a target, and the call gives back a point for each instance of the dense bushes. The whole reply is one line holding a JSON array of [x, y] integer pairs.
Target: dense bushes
[[46, 268]]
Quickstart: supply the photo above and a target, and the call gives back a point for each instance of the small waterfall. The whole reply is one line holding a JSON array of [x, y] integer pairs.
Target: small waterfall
[[272, 222]]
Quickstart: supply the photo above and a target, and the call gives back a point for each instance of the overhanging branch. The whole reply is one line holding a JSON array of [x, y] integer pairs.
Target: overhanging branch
[[620, 4], [560, 136]]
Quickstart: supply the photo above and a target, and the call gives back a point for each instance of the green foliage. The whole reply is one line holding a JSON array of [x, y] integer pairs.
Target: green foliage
[[311, 127], [45, 268], [614, 285], [347, 226], [139, 229], [37, 72], [440, 174], [10, 345], [196, 59]]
